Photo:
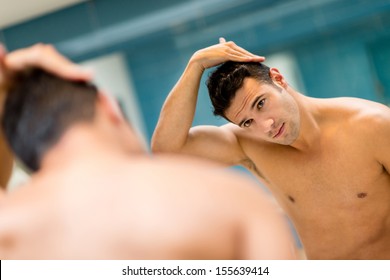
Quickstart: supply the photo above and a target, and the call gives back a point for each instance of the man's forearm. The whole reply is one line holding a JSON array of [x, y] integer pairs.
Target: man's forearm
[[178, 112]]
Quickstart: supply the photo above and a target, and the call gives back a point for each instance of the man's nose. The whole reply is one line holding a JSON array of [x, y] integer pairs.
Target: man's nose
[[267, 125]]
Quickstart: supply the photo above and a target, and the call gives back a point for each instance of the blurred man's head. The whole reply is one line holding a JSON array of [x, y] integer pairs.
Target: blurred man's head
[[39, 108]]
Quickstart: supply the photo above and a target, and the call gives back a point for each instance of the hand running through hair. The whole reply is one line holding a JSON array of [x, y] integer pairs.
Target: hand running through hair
[[222, 52], [45, 57], [41, 56]]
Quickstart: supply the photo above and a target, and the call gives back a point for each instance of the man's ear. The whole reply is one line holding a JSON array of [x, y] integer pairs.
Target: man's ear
[[277, 78], [110, 106]]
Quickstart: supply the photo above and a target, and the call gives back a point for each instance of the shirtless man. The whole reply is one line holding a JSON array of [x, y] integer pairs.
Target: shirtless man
[[327, 161], [97, 194]]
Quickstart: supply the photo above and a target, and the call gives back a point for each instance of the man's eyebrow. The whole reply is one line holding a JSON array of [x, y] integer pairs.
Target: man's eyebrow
[[241, 123], [256, 100], [254, 103]]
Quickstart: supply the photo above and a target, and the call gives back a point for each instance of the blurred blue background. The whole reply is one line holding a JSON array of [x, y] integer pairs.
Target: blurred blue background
[[338, 48]]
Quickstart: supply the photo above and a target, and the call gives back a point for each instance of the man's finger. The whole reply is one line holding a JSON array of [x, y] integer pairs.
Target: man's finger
[[47, 58]]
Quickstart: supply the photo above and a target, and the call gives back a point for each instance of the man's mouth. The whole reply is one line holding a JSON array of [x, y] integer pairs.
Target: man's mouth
[[280, 131]]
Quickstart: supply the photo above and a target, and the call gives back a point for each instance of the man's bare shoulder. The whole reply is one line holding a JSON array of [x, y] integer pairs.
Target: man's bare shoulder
[[352, 110], [370, 123], [16, 210], [192, 167], [357, 104], [369, 115], [361, 121], [199, 175], [19, 197]]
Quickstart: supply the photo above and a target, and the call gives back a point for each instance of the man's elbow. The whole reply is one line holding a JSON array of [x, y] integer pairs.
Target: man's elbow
[[158, 147]]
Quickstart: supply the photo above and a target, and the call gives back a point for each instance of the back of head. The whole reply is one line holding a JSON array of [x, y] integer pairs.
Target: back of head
[[39, 108], [229, 77]]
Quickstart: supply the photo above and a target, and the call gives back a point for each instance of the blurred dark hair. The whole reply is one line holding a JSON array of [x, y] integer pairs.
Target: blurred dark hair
[[228, 78], [39, 108]]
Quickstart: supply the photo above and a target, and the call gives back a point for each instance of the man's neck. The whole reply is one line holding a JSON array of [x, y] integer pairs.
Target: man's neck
[[310, 129], [80, 142]]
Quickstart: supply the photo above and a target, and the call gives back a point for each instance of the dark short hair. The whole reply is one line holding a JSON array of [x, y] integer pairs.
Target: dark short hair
[[224, 82], [39, 108]]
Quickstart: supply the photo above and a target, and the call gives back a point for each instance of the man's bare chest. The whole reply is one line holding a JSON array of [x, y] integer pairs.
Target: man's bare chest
[[333, 194], [338, 176]]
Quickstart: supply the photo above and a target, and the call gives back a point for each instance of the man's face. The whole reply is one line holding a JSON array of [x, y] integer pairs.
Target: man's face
[[268, 111]]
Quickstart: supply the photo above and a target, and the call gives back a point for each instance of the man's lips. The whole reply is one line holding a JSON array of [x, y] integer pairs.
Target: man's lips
[[280, 131]]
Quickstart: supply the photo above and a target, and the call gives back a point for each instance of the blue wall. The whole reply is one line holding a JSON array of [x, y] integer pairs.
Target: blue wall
[[341, 47]]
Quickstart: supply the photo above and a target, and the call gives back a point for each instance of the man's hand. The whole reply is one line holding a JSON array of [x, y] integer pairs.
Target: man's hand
[[222, 52], [40, 56], [45, 57]]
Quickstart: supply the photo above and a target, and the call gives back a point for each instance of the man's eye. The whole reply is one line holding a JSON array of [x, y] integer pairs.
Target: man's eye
[[247, 123], [260, 104]]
